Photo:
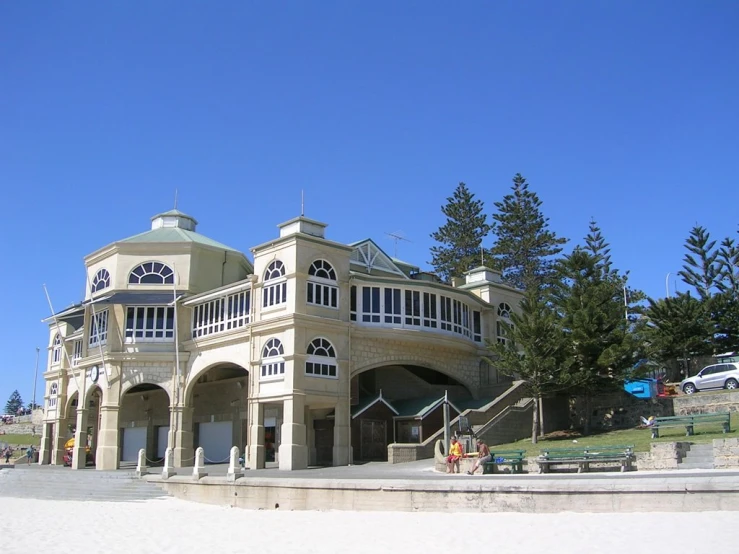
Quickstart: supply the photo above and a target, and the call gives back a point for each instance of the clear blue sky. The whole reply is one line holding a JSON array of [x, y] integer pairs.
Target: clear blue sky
[[625, 111]]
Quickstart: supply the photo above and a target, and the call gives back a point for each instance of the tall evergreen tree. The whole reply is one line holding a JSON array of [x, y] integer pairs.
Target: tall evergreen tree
[[461, 236], [590, 298], [14, 403], [533, 352], [524, 247], [700, 267]]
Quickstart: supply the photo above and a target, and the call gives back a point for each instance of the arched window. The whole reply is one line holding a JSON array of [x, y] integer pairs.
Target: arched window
[[273, 364], [56, 349], [321, 359], [151, 273], [275, 285], [53, 392], [322, 289], [100, 281], [503, 325]]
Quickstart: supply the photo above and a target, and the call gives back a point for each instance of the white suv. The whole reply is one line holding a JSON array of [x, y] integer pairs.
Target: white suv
[[717, 376]]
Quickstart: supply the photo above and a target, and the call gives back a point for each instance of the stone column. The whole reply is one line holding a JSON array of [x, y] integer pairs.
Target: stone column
[[293, 448], [44, 455], [256, 436], [342, 433], [57, 441], [180, 436], [79, 457], [107, 454]]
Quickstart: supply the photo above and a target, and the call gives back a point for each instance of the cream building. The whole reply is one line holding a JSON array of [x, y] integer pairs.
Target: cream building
[[182, 342]]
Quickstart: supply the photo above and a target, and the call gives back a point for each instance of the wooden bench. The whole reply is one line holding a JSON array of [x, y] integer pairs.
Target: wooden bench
[[513, 458], [689, 422], [583, 457]]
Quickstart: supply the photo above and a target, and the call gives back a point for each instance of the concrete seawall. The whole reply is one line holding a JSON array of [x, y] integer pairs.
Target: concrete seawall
[[678, 491]]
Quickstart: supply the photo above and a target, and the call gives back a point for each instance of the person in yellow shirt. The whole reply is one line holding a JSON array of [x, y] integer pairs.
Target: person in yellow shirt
[[455, 453]]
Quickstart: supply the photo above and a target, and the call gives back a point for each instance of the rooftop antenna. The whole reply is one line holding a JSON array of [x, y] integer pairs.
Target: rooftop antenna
[[482, 256], [302, 203], [175, 199], [396, 236]]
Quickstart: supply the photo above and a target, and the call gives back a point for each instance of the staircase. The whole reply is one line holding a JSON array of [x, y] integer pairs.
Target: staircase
[[59, 483], [700, 456]]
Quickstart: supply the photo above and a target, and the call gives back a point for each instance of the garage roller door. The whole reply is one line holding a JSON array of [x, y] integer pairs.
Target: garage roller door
[[134, 439], [216, 439]]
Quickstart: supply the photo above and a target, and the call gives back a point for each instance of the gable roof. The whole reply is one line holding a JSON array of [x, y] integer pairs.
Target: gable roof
[[367, 403], [419, 407], [369, 256]]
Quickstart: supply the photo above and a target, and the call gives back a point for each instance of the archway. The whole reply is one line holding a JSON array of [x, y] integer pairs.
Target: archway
[[218, 399], [144, 423], [400, 403]]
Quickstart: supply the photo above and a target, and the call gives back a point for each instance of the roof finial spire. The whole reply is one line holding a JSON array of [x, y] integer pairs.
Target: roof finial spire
[[175, 199], [302, 203], [482, 256]]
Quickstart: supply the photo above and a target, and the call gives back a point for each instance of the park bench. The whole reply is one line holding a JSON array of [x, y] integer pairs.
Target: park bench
[[583, 457], [689, 422], [513, 458]]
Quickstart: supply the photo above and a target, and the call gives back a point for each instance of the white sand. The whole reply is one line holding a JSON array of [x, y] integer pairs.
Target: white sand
[[171, 525]]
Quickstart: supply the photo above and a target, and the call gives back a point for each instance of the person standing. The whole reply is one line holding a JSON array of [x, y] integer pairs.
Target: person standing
[[29, 453], [7, 453], [483, 456]]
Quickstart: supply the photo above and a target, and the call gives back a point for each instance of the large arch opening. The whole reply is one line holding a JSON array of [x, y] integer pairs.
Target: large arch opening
[[144, 423], [400, 403], [219, 411], [90, 424]]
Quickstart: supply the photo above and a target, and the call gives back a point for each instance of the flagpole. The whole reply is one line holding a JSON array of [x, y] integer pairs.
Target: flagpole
[[59, 332]]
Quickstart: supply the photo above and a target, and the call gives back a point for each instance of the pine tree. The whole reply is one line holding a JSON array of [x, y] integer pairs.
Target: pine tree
[[533, 353], [524, 245], [700, 269], [461, 236], [14, 403]]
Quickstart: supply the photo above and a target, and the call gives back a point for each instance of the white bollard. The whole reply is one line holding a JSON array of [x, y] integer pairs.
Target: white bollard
[[141, 465], [234, 466], [168, 469], [198, 470]]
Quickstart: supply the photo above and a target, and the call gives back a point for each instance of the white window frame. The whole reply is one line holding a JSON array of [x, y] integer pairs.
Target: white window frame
[[101, 277], [76, 352], [98, 329], [165, 272], [160, 332], [272, 367], [274, 290], [321, 288], [327, 366], [53, 395], [56, 350], [221, 314]]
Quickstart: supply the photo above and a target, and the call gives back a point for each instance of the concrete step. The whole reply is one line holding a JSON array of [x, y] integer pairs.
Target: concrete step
[[44, 482], [695, 465]]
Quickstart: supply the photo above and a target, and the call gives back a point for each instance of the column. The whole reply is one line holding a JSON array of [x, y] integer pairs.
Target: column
[[342, 433], [47, 439], [79, 457], [180, 436], [294, 449], [58, 439], [107, 453], [256, 457]]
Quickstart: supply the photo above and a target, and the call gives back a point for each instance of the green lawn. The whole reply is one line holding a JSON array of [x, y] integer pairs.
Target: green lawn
[[21, 440], [640, 438]]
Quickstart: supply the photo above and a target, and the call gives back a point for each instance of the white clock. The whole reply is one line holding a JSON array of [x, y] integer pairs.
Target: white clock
[[94, 373]]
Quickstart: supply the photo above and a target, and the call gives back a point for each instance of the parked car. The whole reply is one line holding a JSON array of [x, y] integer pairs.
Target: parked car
[[716, 376]]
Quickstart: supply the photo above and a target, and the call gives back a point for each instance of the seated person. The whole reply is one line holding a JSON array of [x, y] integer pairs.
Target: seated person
[[455, 453], [483, 456]]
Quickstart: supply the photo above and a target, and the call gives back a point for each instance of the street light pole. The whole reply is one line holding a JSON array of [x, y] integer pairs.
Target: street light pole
[[35, 378]]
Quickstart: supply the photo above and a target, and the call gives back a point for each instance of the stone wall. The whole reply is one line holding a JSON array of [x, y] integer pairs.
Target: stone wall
[[725, 453], [662, 455], [707, 402], [618, 410], [399, 453]]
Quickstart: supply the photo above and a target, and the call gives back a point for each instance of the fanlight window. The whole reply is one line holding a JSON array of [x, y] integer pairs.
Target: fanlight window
[[321, 359], [323, 270], [56, 349], [275, 270], [100, 281], [504, 310], [273, 365], [152, 273]]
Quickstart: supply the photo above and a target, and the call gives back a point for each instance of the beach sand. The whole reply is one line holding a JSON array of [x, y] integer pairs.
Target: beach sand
[[172, 525]]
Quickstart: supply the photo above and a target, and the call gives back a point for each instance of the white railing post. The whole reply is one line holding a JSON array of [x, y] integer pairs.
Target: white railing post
[[141, 464], [198, 470], [234, 465], [168, 469]]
